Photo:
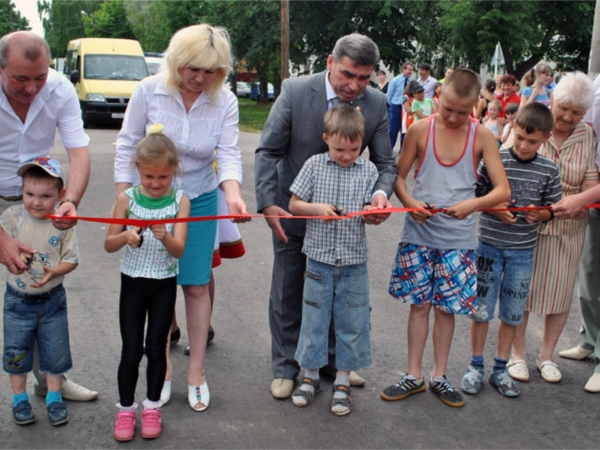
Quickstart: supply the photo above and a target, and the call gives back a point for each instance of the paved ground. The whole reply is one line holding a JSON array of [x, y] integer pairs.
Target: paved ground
[[242, 413]]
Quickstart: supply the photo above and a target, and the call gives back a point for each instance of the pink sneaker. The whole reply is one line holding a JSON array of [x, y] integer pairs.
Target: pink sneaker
[[151, 423], [124, 426]]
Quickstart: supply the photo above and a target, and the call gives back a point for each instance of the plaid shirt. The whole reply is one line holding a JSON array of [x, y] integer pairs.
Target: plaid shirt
[[321, 180]]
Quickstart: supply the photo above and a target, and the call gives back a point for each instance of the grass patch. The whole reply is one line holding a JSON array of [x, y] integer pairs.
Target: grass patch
[[252, 115]]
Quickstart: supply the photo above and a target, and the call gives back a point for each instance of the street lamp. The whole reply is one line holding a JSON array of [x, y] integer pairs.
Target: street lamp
[[93, 17]]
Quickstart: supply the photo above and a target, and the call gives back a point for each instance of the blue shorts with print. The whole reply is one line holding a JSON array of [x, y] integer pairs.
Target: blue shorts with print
[[444, 278], [341, 292], [503, 274], [31, 317]]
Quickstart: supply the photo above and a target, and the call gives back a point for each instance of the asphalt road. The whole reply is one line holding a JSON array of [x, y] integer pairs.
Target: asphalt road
[[242, 413]]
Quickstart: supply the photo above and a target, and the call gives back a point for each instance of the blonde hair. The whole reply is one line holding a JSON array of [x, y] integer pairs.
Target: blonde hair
[[202, 46], [156, 148]]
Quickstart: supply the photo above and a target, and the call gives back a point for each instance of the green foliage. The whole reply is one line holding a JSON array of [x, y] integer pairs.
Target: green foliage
[[253, 115], [62, 21], [11, 19], [108, 21], [528, 32]]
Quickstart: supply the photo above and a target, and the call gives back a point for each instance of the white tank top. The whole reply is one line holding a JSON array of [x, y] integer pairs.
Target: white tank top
[[444, 185]]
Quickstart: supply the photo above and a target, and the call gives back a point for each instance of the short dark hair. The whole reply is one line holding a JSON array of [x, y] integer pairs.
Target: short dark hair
[[490, 85], [425, 66], [511, 108], [345, 121], [37, 173], [465, 83], [535, 117], [508, 79]]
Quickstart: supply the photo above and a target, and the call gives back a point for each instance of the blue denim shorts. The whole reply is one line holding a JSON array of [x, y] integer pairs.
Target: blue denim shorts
[[445, 279], [31, 317], [344, 293], [503, 274]]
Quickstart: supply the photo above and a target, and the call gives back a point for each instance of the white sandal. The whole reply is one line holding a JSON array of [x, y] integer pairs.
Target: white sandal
[[518, 370], [165, 393], [549, 370], [198, 396]]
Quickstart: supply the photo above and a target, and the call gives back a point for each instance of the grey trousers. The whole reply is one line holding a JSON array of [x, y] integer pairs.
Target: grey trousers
[[588, 281], [285, 307]]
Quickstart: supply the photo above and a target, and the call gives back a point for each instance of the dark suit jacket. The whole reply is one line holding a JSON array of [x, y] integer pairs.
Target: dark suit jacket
[[294, 132]]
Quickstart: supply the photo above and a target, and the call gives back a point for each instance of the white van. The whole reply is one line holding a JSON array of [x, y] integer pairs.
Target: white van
[[105, 72]]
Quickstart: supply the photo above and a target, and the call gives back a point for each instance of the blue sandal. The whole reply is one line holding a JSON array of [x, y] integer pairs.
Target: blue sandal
[[301, 397]]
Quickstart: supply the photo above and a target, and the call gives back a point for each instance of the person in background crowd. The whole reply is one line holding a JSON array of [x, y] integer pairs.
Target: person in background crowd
[[382, 83], [487, 95], [394, 98], [426, 80], [538, 92]]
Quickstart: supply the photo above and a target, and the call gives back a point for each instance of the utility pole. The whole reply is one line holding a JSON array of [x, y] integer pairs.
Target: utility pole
[[594, 66], [285, 39]]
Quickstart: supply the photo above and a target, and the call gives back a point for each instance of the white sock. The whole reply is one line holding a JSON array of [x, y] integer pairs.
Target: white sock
[[149, 404], [131, 408]]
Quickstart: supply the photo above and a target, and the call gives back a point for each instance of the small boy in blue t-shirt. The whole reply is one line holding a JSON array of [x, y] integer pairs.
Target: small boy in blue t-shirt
[[505, 251], [336, 284]]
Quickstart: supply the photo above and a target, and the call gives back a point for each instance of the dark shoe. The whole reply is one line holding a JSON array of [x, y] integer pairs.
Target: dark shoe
[[187, 350], [302, 398], [446, 392], [341, 406], [175, 336], [504, 383], [22, 413], [57, 413], [403, 389]]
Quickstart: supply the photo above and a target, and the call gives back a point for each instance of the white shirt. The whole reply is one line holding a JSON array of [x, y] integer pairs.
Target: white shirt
[[197, 134], [56, 105], [428, 85]]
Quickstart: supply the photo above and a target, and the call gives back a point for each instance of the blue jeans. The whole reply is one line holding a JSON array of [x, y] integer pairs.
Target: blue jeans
[[395, 118], [31, 317], [343, 292], [503, 274]]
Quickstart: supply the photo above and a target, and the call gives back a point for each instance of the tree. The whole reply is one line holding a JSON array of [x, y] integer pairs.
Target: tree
[[11, 19], [62, 21], [110, 20], [527, 31]]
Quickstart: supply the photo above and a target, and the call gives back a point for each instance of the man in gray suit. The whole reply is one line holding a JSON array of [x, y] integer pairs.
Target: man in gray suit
[[293, 133]]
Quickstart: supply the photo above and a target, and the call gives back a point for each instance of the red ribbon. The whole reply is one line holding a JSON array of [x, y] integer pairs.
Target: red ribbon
[[144, 223]]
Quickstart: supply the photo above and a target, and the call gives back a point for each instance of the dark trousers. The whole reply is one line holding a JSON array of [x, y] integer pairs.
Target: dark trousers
[[156, 299], [395, 116]]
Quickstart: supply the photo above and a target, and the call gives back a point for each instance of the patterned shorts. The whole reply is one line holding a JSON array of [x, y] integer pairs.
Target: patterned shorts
[[447, 279]]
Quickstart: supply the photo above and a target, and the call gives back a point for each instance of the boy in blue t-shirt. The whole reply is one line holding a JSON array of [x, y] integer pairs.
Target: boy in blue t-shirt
[[505, 251]]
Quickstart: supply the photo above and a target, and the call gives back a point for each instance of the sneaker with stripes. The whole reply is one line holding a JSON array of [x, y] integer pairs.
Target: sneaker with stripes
[[446, 392], [408, 385]]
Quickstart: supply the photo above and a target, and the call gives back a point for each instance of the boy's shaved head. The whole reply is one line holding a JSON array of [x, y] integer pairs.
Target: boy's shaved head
[[464, 82]]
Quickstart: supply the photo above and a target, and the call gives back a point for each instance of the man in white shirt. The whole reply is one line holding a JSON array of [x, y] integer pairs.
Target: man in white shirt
[[34, 101], [425, 80]]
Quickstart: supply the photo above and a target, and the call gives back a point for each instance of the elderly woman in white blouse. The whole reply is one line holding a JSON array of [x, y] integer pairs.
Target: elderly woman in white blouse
[[200, 115]]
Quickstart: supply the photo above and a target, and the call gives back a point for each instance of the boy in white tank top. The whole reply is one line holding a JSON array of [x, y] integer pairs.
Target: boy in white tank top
[[435, 263]]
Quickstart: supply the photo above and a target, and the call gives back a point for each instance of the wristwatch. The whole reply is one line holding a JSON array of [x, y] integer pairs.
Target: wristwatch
[[68, 200]]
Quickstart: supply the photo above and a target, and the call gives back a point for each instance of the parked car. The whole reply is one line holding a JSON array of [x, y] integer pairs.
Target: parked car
[[255, 91], [153, 61], [243, 89]]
